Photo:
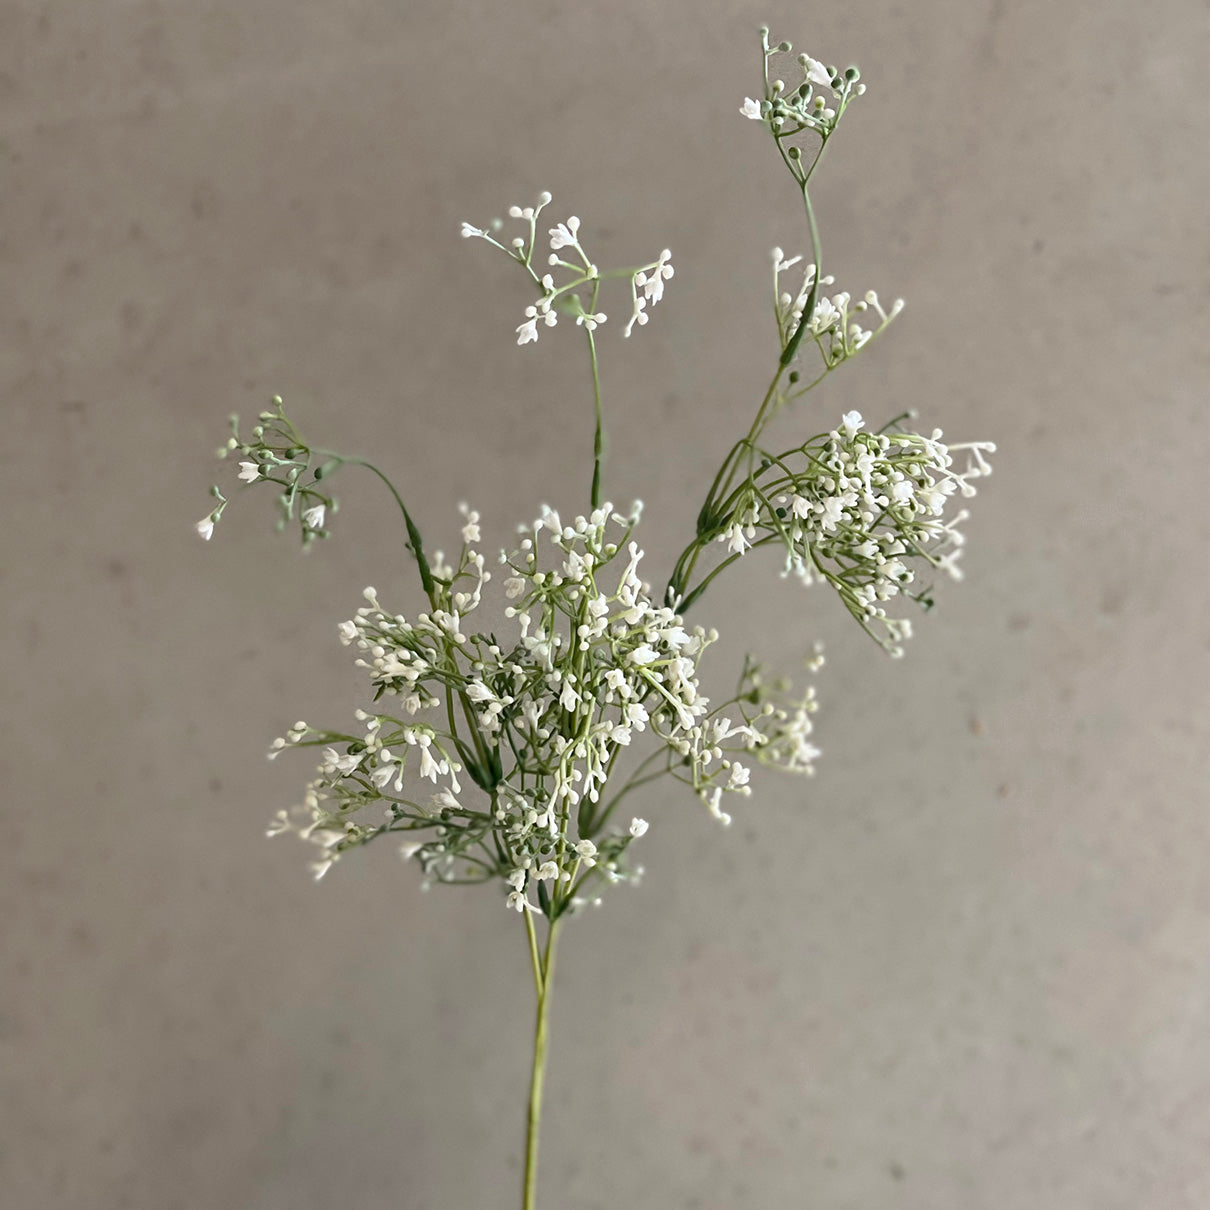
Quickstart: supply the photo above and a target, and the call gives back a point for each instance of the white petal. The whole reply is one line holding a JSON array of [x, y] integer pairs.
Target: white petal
[[817, 73]]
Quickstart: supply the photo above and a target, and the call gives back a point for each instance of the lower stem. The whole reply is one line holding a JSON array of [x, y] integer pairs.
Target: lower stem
[[544, 970]]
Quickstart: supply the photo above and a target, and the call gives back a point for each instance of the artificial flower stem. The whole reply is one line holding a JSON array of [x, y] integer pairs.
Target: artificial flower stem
[[547, 970], [598, 437], [534, 957], [426, 575], [791, 349]]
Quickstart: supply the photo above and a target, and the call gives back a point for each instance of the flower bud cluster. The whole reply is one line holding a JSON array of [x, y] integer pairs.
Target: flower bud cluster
[[817, 102], [277, 454]]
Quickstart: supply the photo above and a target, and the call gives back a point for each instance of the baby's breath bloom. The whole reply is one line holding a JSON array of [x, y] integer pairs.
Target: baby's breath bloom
[[653, 280], [470, 531], [575, 289], [593, 663], [858, 509], [563, 235], [816, 72], [804, 106], [500, 752]]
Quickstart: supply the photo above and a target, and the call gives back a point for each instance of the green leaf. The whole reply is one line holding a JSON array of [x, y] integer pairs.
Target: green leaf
[[584, 817]]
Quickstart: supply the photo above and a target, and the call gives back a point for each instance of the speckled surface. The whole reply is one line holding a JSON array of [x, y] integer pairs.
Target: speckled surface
[[965, 968]]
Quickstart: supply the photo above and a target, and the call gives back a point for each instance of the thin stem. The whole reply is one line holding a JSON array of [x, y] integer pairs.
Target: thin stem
[[636, 778], [426, 576], [808, 311], [711, 515], [598, 437], [687, 603], [534, 957], [534, 1120]]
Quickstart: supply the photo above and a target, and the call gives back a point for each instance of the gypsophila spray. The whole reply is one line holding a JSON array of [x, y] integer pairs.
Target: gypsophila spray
[[509, 758]]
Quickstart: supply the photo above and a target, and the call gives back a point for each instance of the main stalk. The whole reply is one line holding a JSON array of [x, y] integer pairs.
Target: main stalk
[[544, 970]]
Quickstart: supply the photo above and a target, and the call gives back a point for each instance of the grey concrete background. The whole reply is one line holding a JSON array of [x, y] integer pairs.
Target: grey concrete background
[[963, 969]]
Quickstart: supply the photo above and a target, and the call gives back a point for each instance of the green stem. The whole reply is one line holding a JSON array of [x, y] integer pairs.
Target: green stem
[[534, 957], [426, 576], [598, 437], [637, 778], [808, 311], [544, 971], [711, 516]]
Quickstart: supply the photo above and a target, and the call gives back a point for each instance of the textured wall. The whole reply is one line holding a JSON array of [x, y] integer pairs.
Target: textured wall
[[964, 968]]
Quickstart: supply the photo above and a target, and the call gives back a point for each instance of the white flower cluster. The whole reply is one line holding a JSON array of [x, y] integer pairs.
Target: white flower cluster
[[817, 103], [505, 759], [771, 733], [834, 322], [856, 509], [537, 727], [277, 455], [576, 293], [650, 279]]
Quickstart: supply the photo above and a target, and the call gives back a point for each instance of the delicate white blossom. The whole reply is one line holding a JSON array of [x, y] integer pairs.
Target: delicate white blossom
[[737, 543], [816, 72], [470, 531], [563, 235], [859, 509], [574, 290], [653, 279]]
